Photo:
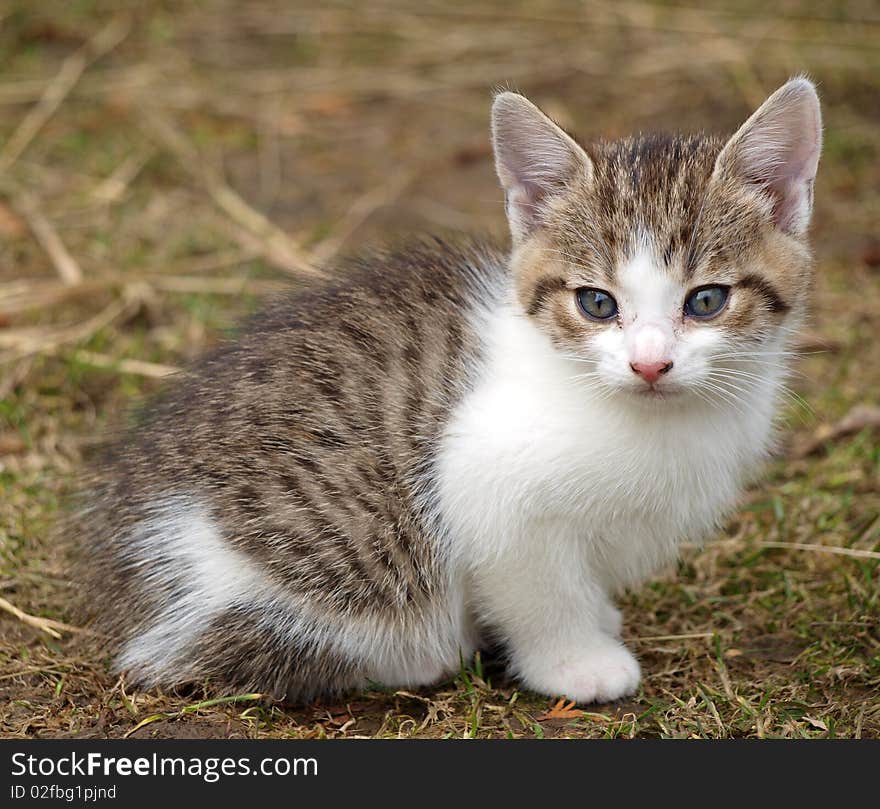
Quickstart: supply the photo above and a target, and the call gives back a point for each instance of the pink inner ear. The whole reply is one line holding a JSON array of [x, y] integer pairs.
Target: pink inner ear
[[778, 148], [533, 166], [534, 158], [793, 186]]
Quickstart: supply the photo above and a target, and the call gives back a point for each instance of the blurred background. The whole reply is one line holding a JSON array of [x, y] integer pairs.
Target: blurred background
[[165, 166]]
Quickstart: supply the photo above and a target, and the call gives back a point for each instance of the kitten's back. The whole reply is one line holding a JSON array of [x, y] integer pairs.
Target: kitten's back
[[291, 468]]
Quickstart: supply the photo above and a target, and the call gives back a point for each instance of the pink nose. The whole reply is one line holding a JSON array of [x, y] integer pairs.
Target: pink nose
[[651, 371]]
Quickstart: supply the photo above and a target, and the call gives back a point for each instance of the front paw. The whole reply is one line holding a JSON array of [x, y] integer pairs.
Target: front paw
[[601, 672]]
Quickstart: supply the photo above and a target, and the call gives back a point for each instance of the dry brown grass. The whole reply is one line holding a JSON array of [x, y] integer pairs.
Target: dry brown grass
[[163, 169]]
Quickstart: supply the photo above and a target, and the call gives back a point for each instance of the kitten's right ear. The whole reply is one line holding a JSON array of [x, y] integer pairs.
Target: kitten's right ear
[[534, 158], [777, 150]]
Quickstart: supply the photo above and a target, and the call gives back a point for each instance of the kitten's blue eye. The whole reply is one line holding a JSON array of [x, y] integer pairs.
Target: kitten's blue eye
[[596, 304], [706, 301]]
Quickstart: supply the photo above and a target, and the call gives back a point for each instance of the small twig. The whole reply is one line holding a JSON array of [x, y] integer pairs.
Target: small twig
[[15, 376], [273, 242], [860, 417], [250, 242], [98, 83], [212, 261], [71, 69], [214, 286], [153, 370], [114, 186], [65, 265], [360, 212], [36, 670], [692, 636], [869, 530], [19, 296], [269, 163], [43, 293], [856, 553], [46, 625], [194, 708], [47, 342]]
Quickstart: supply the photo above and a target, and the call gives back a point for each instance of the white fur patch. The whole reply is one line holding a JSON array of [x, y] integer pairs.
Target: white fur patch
[[649, 294], [182, 552], [558, 496], [183, 555]]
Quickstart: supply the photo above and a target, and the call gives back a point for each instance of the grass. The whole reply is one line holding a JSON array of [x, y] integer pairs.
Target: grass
[[344, 129]]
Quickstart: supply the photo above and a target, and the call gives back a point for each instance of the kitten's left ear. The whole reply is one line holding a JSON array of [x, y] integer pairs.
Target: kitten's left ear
[[778, 149], [535, 160]]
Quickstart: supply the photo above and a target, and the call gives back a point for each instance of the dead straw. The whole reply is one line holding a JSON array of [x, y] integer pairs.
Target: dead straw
[[57, 90], [65, 265], [856, 553], [276, 246], [46, 625]]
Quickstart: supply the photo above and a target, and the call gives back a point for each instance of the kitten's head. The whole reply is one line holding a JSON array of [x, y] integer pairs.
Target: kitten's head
[[667, 264]]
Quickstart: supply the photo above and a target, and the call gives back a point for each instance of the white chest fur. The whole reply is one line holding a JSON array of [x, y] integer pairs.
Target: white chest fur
[[534, 456]]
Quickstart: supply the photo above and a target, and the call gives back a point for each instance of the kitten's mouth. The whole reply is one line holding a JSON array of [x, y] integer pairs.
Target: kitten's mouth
[[651, 392]]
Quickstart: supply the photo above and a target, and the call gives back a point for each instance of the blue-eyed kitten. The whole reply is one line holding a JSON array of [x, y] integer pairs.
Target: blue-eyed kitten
[[449, 445]]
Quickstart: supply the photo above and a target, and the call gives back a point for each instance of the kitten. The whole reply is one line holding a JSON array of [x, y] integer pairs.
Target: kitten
[[449, 445]]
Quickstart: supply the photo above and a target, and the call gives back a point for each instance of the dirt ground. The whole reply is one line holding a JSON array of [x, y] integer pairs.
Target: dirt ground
[[164, 166]]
